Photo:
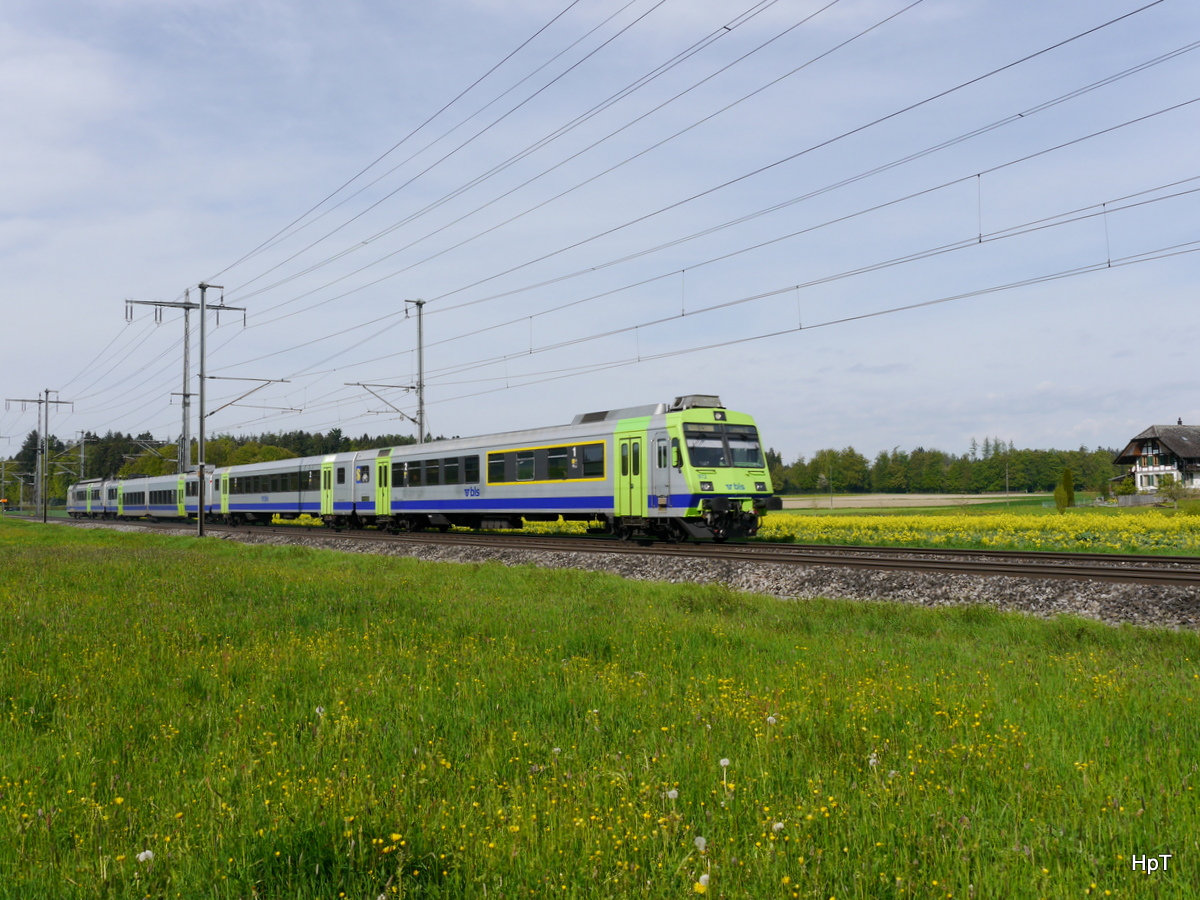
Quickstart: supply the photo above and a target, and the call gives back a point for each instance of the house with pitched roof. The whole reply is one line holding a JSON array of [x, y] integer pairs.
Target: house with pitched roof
[[1163, 450]]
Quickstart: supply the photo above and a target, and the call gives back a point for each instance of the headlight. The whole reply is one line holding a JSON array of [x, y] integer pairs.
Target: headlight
[[760, 486], [706, 485]]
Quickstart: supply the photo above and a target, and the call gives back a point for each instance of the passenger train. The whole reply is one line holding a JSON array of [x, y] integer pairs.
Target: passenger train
[[686, 470]]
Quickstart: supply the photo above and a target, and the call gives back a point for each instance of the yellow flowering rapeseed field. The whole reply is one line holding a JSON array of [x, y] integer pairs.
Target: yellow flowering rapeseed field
[[1136, 532]]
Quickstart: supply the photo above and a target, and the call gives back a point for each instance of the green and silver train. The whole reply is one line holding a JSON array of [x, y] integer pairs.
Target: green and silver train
[[690, 469]]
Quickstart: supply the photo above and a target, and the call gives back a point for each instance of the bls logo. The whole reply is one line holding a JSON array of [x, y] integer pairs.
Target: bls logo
[[471, 492]]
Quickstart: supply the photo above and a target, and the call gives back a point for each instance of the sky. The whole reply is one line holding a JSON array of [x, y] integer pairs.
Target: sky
[[869, 223]]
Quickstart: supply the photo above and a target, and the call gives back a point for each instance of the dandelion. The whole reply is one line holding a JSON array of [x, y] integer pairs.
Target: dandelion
[[700, 843], [770, 720], [777, 827], [672, 794], [724, 764], [873, 759], [320, 712], [556, 751], [701, 886], [146, 856]]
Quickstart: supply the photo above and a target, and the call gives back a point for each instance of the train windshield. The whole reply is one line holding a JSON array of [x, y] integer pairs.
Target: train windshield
[[722, 446]]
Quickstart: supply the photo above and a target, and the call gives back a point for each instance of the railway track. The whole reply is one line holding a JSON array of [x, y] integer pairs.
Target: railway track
[[1145, 570]]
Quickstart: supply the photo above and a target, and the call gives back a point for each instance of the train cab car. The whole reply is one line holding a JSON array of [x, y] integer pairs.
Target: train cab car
[[709, 468], [691, 469]]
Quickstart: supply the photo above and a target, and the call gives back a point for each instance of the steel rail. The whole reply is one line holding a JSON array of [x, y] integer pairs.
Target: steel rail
[[1123, 568]]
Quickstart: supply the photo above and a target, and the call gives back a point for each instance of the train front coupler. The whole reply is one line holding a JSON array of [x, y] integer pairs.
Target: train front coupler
[[726, 518]]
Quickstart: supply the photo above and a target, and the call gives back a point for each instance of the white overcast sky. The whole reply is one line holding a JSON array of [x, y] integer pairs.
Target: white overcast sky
[[608, 203]]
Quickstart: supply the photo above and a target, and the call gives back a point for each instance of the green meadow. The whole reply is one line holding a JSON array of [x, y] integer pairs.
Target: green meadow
[[187, 718]]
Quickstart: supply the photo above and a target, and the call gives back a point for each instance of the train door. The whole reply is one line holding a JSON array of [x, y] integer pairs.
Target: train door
[[631, 475], [660, 472], [383, 484], [180, 496], [327, 486], [224, 493], [121, 499]]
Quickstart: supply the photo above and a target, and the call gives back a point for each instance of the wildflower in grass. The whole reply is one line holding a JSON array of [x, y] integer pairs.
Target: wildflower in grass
[[700, 843], [873, 759], [770, 720], [777, 827], [724, 764], [701, 886], [672, 794], [146, 856], [320, 712]]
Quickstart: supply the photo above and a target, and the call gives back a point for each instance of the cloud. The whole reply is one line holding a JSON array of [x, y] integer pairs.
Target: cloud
[[57, 98]]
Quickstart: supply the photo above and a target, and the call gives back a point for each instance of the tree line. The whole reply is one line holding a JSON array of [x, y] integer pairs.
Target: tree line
[[994, 466]]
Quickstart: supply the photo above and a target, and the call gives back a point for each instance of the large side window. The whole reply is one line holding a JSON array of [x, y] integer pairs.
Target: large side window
[[450, 471], [593, 460], [470, 470], [495, 474], [524, 465], [558, 463]]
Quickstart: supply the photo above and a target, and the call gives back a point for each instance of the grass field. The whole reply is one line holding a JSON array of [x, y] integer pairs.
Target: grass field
[[187, 719]]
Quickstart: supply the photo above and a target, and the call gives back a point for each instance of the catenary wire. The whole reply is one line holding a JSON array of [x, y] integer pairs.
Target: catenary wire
[[745, 176], [396, 320], [398, 144]]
